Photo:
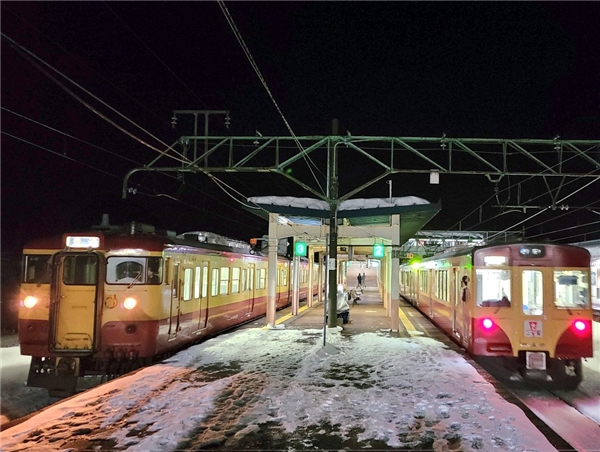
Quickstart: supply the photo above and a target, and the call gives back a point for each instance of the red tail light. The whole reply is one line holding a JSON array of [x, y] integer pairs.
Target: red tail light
[[487, 323], [580, 325]]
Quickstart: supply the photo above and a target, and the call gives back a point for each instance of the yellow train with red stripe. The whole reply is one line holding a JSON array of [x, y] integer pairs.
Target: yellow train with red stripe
[[526, 304], [100, 303]]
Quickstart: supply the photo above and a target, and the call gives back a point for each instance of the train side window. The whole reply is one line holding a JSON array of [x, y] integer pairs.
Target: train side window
[[155, 269], [214, 282], [224, 281], [187, 284], [235, 280], [493, 288], [261, 276], [244, 279], [284, 281], [571, 289], [197, 281], [204, 281], [533, 294]]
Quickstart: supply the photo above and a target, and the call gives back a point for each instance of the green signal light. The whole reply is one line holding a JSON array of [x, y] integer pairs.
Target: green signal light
[[300, 248], [378, 250]]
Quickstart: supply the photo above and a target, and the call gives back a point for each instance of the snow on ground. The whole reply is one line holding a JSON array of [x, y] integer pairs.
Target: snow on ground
[[367, 390]]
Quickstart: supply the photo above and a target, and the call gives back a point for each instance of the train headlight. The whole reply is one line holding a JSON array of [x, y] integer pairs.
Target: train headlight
[[129, 303], [580, 325], [30, 301], [487, 323]]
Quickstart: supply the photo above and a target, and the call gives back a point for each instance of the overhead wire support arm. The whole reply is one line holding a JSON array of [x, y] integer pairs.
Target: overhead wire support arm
[[532, 157], [366, 154], [414, 151], [207, 153], [583, 154], [303, 185], [320, 143], [465, 148], [257, 151]]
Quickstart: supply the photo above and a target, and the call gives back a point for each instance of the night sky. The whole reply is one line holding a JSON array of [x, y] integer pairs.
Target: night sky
[[472, 69]]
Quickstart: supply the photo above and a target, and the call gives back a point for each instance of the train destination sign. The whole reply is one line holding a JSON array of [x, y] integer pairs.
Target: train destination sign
[[79, 241]]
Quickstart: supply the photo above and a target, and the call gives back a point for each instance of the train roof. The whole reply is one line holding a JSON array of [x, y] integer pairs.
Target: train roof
[[468, 249], [146, 237]]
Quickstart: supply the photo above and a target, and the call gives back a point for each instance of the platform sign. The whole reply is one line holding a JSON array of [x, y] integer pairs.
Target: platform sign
[[378, 250], [300, 249]]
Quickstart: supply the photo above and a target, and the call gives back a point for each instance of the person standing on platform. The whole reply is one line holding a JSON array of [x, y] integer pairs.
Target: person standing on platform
[[343, 308], [359, 279], [364, 280]]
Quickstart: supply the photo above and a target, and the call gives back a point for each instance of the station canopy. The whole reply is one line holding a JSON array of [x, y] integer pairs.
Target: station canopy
[[414, 212]]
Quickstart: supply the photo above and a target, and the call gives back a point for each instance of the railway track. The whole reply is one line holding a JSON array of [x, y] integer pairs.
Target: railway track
[[565, 418], [569, 419]]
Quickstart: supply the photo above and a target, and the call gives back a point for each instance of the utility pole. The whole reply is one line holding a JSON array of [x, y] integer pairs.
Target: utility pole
[[332, 196]]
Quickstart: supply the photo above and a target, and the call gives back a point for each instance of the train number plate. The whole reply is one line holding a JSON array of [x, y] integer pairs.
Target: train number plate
[[536, 360]]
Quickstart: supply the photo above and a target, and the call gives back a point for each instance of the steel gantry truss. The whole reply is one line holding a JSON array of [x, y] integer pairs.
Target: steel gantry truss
[[381, 157], [491, 158]]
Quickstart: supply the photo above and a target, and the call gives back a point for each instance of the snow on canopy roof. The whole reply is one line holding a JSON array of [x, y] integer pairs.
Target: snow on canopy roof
[[350, 204]]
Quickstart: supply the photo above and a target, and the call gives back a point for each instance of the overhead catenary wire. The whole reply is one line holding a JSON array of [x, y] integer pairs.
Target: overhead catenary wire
[[80, 61], [33, 59], [503, 213], [140, 190], [70, 136], [541, 211], [242, 43], [36, 61]]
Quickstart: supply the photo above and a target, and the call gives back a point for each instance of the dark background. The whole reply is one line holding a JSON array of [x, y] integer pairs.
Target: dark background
[[466, 69]]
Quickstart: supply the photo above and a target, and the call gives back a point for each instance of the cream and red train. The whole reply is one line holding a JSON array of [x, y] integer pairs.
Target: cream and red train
[[526, 304], [100, 303]]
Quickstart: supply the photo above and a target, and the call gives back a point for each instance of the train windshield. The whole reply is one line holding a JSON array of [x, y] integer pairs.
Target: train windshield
[[80, 270], [493, 288], [134, 270], [36, 269], [571, 289]]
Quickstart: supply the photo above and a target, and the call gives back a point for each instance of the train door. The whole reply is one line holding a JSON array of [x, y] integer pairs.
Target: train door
[[175, 303], [279, 278], [251, 287], [200, 296], [532, 301], [73, 306], [204, 272], [430, 279], [457, 305]]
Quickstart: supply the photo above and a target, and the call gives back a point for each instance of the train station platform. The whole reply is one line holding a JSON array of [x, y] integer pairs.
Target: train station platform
[[368, 315]]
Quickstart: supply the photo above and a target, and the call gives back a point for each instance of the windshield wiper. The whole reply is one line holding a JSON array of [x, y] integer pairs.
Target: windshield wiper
[[136, 279]]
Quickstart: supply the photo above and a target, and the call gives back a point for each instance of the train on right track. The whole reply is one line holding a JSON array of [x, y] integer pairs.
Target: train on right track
[[526, 305]]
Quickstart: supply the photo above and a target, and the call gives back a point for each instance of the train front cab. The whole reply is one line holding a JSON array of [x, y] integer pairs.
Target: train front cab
[[531, 306], [61, 328]]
